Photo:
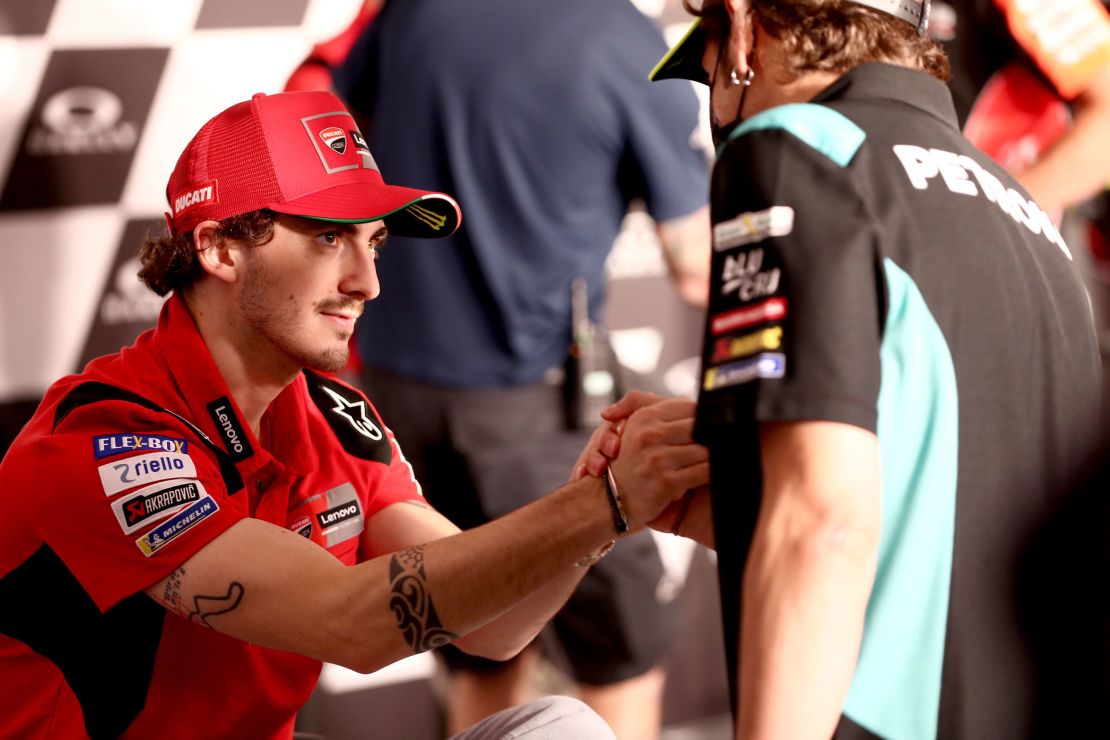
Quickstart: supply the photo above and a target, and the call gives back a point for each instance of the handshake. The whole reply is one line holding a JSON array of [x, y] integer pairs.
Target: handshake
[[660, 475]]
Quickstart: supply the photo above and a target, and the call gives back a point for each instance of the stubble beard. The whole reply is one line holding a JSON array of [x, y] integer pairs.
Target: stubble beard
[[271, 319]]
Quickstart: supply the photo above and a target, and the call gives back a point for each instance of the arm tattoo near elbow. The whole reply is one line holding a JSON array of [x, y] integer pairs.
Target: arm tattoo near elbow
[[203, 606], [412, 604]]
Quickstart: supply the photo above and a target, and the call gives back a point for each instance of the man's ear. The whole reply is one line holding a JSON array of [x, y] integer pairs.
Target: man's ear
[[215, 253], [742, 34]]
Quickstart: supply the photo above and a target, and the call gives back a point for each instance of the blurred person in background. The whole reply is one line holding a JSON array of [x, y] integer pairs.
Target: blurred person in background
[[540, 118], [900, 392], [1031, 86]]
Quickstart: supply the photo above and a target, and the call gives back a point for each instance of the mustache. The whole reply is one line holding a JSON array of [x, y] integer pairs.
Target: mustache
[[341, 305]]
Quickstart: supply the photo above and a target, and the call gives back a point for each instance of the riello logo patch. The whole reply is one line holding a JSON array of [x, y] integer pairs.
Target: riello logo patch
[[336, 138]]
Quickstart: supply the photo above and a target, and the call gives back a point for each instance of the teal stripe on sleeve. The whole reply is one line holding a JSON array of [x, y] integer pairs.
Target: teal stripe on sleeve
[[819, 126], [895, 692]]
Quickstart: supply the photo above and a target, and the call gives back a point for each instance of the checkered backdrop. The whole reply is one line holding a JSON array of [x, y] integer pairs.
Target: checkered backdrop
[[100, 96]]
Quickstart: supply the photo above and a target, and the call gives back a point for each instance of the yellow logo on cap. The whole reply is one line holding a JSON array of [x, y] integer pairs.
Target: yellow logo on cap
[[433, 219]]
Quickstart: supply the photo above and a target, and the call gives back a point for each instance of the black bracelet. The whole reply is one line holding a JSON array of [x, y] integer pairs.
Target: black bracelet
[[620, 519]]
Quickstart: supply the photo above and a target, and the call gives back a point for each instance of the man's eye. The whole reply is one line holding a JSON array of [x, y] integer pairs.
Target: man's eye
[[331, 238]]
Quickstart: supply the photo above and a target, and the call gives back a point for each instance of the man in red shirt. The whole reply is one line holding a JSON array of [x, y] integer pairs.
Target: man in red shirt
[[190, 526]]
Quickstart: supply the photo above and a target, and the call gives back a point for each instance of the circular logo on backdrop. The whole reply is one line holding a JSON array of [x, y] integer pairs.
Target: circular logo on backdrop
[[82, 110], [82, 120]]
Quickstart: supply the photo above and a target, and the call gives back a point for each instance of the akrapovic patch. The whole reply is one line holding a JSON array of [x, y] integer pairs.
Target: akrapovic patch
[[752, 227], [153, 503], [766, 365], [164, 534], [141, 469]]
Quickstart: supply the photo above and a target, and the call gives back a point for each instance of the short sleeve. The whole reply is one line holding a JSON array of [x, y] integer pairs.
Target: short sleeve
[[664, 161], [127, 496], [397, 485], [794, 323]]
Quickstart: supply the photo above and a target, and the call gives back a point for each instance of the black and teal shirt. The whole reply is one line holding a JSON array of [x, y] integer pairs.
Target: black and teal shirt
[[871, 267]]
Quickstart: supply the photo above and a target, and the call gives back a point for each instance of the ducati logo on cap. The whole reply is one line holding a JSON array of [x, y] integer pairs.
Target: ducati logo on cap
[[335, 138]]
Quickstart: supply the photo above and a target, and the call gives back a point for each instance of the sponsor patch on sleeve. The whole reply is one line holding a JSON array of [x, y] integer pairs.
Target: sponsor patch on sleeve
[[137, 470], [108, 445], [764, 365], [166, 532], [753, 227], [154, 503], [738, 346], [745, 277], [772, 309]]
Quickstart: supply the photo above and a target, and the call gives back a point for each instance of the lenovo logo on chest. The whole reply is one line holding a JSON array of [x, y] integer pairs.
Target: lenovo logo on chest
[[337, 515]]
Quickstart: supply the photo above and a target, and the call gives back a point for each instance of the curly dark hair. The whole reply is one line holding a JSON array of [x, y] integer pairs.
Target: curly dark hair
[[837, 35], [171, 263]]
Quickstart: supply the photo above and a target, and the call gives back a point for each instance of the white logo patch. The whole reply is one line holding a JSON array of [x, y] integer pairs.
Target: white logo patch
[[922, 165], [134, 471], [154, 503], [753, 227], [355, 413], [743, 274]]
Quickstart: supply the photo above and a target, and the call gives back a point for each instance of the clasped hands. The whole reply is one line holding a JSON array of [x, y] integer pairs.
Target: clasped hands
[[663, 476]]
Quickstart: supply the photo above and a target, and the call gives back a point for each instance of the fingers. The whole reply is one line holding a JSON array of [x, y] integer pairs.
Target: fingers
[[631, 401]]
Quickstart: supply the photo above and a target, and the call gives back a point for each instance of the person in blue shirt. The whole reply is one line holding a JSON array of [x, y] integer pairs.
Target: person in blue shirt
[[540, 118]]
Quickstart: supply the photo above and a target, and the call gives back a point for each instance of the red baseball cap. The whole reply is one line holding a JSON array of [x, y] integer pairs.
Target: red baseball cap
[[301, 154]]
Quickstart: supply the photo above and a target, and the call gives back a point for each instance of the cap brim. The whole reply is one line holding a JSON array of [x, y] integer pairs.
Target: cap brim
[[406, 211], [683, 61]]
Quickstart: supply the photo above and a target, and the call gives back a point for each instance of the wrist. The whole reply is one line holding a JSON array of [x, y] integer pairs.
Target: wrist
[[616, 504]]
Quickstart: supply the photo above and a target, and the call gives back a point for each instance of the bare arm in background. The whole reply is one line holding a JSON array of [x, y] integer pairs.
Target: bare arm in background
[[686, 248], [1078, 165]]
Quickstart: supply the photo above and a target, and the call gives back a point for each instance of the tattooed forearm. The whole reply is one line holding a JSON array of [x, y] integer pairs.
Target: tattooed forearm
[[412, 605], [211, 606]]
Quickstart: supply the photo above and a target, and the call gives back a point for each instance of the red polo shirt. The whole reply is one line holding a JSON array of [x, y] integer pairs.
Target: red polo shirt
[[105, 493]]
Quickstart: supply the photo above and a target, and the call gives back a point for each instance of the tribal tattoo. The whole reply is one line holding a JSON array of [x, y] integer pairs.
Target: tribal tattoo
[[412, 604]]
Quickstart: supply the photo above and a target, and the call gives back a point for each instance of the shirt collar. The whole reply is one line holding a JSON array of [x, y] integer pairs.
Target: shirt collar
[[212, 407], [881, 80]]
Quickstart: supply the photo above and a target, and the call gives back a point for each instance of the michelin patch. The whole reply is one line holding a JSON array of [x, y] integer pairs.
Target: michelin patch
[[165, 533], [108, 445], [139, 469], [154, 503]]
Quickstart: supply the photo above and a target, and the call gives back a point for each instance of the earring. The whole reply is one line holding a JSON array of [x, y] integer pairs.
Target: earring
[[733, 78], [748, 77]]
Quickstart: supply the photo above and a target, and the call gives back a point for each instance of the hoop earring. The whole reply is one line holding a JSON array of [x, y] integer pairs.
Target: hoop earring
[[734, 79], [747, 78]]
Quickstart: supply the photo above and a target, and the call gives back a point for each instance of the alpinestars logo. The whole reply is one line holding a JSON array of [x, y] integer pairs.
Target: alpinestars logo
[[355, 413], [336, 138]]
